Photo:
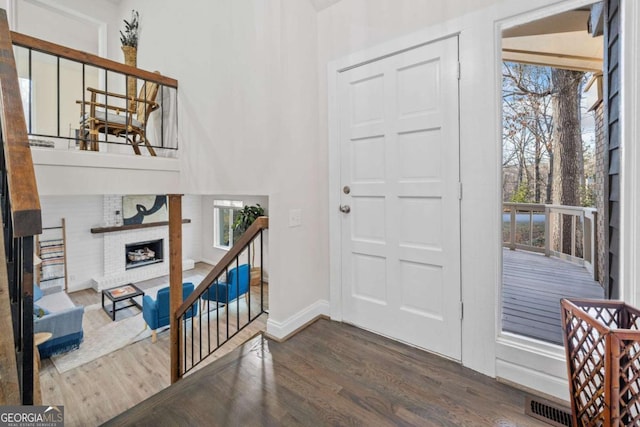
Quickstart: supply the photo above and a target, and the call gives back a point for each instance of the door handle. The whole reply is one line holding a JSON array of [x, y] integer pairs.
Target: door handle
[[345, 208]]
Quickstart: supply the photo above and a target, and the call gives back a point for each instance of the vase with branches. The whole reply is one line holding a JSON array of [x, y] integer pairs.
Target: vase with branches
[[129, 40], [130, 35]]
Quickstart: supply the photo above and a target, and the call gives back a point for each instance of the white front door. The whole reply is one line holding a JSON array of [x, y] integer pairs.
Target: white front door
[[400, 239]]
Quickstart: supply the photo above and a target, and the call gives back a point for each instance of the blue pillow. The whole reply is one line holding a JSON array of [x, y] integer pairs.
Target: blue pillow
[[39, 312], [37, 293]]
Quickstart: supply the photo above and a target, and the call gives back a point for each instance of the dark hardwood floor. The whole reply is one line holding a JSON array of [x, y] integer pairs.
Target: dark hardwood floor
[[332, 374]]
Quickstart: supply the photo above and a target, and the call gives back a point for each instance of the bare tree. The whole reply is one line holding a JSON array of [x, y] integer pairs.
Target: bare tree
[[568, 163], [528, 125]]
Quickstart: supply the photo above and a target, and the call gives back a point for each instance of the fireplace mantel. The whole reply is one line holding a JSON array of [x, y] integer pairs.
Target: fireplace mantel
[[114, 228]]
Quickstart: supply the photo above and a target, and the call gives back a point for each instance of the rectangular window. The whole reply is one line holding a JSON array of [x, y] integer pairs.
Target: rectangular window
[[224, 214]]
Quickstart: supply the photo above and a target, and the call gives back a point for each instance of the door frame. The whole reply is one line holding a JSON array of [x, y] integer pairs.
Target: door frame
[[394, 47], [519, 359]]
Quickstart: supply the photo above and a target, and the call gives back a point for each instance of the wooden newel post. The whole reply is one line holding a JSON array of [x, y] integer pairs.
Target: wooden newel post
[[175, 280]]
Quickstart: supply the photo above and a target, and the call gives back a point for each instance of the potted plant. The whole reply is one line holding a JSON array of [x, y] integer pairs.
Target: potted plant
[[243, 220], [246, 216]]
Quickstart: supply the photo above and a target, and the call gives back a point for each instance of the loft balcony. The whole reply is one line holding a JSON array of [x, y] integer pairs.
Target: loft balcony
[[77, 147]]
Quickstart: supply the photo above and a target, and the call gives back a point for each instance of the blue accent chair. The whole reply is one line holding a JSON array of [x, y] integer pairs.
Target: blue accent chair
[[237, 284], [156, 312]]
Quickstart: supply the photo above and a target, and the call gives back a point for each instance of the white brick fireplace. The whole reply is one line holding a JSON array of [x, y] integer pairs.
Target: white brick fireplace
[[115, 272]]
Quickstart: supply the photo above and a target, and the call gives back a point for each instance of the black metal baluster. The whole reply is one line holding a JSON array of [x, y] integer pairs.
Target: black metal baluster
[[217, 316], [261, 273], [83, 120], [237, 273], [161, 89], [184, 347], [248, 298], [26, 277], [30, 92], [193, 352], [58, 91], [226, 301]]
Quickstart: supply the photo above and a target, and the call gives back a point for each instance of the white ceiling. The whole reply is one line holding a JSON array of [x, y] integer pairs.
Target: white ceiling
[[561, 41]]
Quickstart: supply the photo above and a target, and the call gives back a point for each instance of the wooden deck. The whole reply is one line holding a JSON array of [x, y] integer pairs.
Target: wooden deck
[[332, 374], [532, 288]]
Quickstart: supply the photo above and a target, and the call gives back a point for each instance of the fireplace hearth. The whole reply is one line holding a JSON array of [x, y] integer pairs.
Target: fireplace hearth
[[140, 254]]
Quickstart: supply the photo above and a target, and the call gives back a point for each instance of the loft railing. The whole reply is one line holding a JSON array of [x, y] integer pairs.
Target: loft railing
[[57, 85], [529, 227], [223, 303], [20, 208]]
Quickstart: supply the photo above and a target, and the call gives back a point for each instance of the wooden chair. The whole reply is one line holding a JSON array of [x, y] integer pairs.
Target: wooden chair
[[128, 121]]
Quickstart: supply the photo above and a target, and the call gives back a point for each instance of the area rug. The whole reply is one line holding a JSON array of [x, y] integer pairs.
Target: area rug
[[103, 336], [103, 340]]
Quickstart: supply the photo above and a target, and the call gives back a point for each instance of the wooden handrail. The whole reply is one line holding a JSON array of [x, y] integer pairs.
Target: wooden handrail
[[23, 191], [89, 59], [252, 232]]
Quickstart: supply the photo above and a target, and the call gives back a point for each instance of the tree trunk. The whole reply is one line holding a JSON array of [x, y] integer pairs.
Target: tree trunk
[[548, 194], [537, 177], [567, 150]]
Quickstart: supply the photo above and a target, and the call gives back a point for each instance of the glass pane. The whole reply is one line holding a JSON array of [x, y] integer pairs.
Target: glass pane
[[44, 94], [225, 224], [22, 63], [70, 91]]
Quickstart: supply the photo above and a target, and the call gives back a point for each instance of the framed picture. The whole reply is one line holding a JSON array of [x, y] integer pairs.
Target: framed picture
[[144, 209]]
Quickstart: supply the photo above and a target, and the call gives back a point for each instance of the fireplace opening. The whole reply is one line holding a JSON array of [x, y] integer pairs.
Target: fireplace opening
[[140, 254]]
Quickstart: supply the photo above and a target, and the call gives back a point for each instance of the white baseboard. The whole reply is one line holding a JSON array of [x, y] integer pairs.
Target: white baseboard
[[282, 330]]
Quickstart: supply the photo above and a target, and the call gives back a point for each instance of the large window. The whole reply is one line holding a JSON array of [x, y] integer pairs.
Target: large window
[[224, 213]]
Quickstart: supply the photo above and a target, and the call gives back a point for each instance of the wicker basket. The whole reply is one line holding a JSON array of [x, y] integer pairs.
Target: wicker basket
[[602, 342]]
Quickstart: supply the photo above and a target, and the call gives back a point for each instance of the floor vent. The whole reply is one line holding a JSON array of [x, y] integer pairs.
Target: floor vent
[[549, 412]]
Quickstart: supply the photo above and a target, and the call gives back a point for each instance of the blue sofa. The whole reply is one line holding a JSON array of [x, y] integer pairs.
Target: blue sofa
[[60, 317], [156, 312]]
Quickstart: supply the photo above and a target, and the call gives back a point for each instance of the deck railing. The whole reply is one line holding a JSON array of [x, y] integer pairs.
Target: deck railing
[[217, 300], [55, 82], [529, 227], [20, 208]]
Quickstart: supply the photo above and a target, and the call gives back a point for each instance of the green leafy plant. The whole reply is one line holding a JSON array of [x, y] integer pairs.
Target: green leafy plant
[[130, 35], [522, 194], [246, 216]]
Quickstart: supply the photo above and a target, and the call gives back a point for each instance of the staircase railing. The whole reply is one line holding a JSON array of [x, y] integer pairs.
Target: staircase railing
[[217, 300], [70, 73], [20, 209]]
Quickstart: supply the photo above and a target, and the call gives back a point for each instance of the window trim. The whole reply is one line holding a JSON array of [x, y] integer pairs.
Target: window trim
[[218, 206]]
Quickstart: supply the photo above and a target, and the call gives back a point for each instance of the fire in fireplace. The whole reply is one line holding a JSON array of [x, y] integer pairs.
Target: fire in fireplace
[[140, 254]]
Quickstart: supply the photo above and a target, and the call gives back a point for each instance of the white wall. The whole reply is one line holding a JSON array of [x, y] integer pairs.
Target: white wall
[[78, 24], [248, 109], [84, 250]]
